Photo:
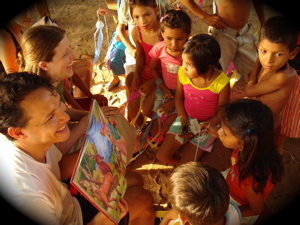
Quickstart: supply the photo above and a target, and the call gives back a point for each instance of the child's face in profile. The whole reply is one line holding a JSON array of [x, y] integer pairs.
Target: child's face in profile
[[174, 40], [273, 56], [188, 67], [228, 139]]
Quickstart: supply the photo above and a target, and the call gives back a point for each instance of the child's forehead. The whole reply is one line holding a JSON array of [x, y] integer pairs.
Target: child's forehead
[[267, 44], [174, 31], [139, 9], [187, 58]]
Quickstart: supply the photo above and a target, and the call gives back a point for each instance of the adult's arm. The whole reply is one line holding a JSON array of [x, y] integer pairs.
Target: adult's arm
[[8, 53], [121, 31]]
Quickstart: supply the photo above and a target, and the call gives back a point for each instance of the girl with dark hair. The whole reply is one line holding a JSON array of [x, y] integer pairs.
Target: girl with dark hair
[[247, 126], [201, 88], [175, 29], [140, 84]]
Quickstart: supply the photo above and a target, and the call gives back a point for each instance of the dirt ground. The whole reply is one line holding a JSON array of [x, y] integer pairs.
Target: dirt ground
[[78, 18]]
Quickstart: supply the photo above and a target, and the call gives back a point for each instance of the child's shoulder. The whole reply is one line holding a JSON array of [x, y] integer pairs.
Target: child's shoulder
[[220, 76], [160, 44], [284, 76]]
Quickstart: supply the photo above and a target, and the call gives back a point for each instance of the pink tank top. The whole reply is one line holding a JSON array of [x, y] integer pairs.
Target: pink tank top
[[146, 48]]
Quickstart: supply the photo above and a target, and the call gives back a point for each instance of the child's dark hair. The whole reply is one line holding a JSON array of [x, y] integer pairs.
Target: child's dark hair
[[252, 122], [278, 29], [176, 18], [145, 3], [204, 51]]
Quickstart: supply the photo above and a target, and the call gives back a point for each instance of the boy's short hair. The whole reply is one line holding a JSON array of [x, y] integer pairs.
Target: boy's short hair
[[13, 90], [279, 29], [199, 193]]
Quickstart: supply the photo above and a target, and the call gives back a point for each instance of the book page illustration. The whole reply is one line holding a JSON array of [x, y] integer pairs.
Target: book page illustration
[[100, 171]]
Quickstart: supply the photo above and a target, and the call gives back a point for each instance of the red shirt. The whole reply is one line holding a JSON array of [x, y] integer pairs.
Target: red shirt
[[236, 190]]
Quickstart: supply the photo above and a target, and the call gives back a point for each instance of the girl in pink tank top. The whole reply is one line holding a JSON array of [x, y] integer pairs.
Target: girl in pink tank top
[[141, 84]]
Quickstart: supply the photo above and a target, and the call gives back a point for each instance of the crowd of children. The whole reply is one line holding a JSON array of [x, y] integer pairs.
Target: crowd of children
[[178, 99], [180, 87]]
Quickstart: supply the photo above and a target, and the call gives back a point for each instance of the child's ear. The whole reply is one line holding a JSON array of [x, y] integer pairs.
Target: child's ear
[[241, 143], [293, 53]]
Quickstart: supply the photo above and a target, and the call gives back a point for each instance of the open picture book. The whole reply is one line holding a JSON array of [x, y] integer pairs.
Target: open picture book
[[99, 174]]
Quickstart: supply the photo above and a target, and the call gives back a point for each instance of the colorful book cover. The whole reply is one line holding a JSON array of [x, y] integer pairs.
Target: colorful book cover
[[99, 174]]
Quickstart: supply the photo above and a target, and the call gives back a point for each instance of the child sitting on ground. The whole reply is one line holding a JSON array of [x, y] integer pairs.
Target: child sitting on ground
[[140, 84], [247, 126], [201, 88], [175, 27]]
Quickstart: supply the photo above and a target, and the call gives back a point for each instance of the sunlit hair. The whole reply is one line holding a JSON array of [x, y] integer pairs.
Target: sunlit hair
[[174, 19], [14, 88], [199, 193], [204, 51], [251, 121], [38, 44]]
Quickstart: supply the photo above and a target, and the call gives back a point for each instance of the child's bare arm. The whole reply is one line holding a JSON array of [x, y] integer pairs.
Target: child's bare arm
[[70, 100], [256, 203], [8, 53], [212, 125], [123, 36], [158, 79], [266, 86], [224, 96], [140, 61], [179, 97], [153, 68]]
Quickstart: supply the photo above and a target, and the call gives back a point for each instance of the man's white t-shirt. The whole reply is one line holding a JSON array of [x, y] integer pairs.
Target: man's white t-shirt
[[35, 188]]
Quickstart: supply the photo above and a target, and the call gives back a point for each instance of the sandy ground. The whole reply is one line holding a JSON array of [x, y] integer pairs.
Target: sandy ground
[[78, 18]]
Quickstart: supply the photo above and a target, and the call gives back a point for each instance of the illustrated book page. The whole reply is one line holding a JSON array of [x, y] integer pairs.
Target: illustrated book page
[[99, 174]]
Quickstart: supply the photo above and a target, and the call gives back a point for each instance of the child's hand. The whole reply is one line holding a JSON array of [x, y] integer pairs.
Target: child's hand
[[147, 87], [167, 108], [185, 131], [123, 206], [167, 94], [83, 122], [208, 128], [101, 99], [103, 11], [109, 110], [183, 119], [184, 134], [135, 83]]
